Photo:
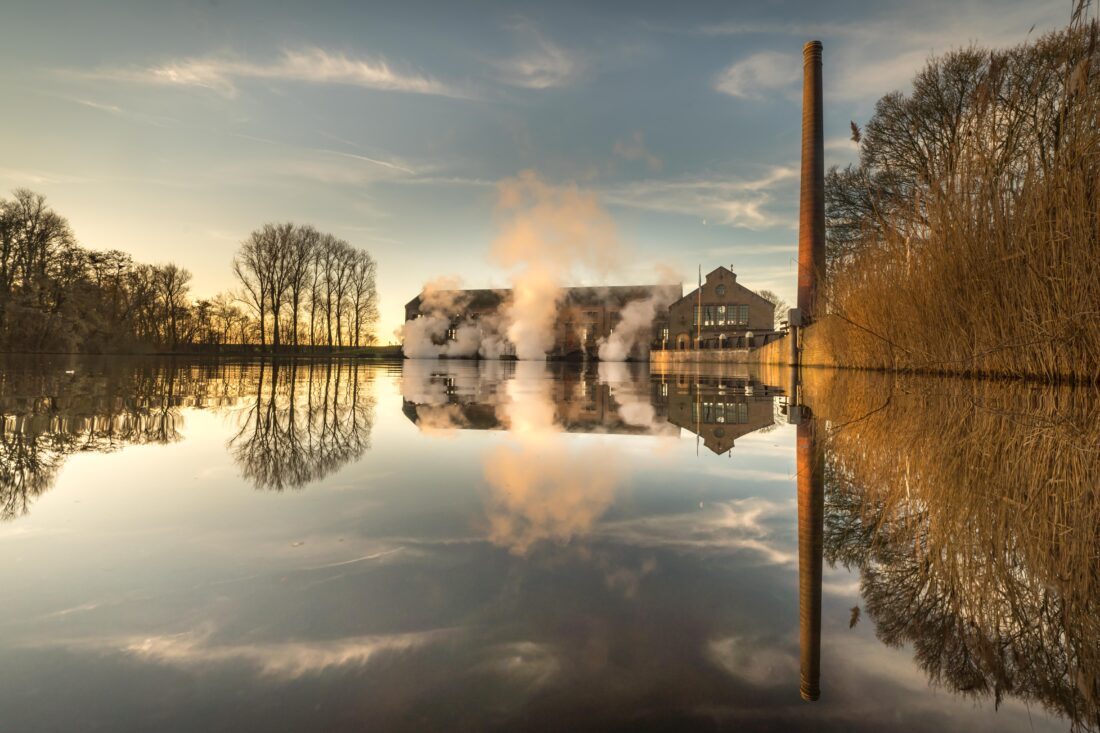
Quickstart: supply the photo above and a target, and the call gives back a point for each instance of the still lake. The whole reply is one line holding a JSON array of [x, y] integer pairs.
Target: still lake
[[198, 545]]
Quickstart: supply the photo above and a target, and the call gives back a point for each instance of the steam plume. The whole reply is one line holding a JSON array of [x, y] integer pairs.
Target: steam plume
[[547, 232]]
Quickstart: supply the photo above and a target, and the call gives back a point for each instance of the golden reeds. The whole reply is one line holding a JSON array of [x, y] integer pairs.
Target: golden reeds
[[986, 258]]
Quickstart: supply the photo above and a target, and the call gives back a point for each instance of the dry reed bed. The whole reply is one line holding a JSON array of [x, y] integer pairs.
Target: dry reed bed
[[986, 259]]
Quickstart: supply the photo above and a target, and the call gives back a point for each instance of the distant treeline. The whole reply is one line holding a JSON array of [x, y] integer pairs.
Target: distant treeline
[[298, 285], [966, 238]]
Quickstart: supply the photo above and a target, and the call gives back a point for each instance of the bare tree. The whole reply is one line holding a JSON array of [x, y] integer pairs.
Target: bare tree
[[779, 303], [341, 275], [300, 266], [251, 268], [172, 283], [364, 295]]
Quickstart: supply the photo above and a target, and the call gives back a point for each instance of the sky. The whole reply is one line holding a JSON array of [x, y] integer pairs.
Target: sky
[[172, 130]]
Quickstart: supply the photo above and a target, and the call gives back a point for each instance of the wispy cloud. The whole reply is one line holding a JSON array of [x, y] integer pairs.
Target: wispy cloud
[[739, 525], [23, 176], [754, 249], [759, 74], [542, 64], [633, 148], [283, 660], [222, 74], [326, 165], [736, 202], [876, 55], [114, 109]]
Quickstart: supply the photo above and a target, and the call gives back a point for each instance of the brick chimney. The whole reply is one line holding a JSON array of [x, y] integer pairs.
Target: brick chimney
[[811, 207]]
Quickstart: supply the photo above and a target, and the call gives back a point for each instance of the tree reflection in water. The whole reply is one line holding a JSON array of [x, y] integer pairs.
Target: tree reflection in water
[[971, 512], [48, 413], [305, 421], [302, 421]]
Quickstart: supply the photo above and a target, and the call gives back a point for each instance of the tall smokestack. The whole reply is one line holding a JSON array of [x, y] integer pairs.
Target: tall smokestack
[[811, 536], [811, 207]]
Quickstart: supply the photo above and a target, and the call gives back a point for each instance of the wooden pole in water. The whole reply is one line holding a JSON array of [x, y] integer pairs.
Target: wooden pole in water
[[811, 538], [811, 208]]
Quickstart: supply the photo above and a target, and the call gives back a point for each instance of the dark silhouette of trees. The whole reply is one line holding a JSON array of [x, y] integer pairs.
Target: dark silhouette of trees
[[172, 285], [282, 266], [57, 296], [46, 415]]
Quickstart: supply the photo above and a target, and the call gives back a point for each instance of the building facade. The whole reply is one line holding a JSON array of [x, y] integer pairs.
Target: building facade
[[721, 314], [585, 315]]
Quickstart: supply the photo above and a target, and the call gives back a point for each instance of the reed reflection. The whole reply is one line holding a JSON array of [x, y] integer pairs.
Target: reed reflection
[[970, 511]]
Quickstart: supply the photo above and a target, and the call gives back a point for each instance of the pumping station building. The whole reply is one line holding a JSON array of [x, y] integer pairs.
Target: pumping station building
[[721, 314]]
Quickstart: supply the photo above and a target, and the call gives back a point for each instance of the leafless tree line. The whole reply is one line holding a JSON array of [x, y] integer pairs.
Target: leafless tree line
[[57, 296], [305, 287], [298, 285]]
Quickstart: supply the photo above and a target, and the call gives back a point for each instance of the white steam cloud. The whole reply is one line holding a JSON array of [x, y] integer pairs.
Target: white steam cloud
[[548, 233], [632, 333]]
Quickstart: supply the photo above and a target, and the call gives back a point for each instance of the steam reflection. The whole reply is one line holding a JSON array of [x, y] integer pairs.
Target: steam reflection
[[612, 398], [544, 485], [541, 487]]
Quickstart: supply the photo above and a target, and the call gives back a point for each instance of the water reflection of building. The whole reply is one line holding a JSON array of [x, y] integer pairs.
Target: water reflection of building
[[459, 396], [718, 408]]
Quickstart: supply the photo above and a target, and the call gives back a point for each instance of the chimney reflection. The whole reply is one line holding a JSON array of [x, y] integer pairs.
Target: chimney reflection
[[811, 532]]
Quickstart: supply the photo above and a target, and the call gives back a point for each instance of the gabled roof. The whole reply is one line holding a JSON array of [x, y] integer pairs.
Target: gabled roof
[[733, 274]]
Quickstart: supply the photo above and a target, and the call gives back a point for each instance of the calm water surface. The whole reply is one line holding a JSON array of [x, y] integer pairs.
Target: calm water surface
[[455, 546]]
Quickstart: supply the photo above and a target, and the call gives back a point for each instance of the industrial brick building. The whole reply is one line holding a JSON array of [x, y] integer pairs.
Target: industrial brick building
[[722, 314], [584, 314]]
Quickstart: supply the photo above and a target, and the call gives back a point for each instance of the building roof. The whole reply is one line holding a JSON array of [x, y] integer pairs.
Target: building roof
[[734, 276], [587, 295]]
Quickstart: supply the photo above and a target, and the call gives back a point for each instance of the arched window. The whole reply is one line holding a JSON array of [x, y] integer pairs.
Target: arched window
[[720, 290]]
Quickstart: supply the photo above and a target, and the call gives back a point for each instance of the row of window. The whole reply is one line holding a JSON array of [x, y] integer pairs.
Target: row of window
[[721, 315], [720, 412]]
